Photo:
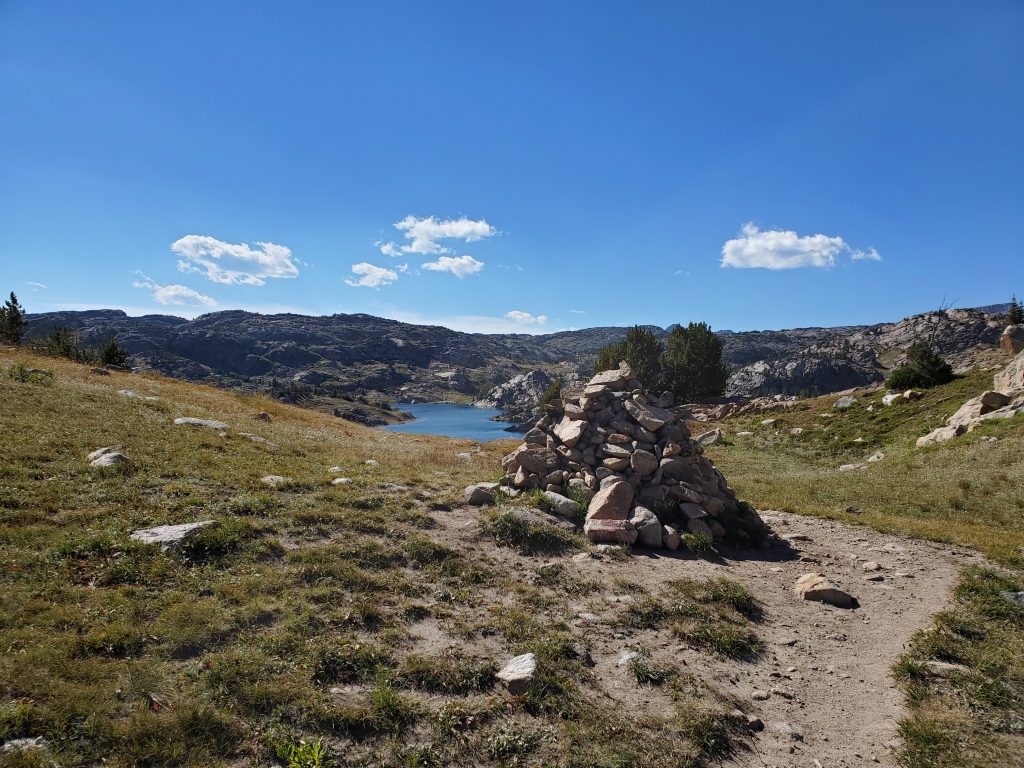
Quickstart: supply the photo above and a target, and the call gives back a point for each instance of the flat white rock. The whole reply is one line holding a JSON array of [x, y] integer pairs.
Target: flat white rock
[[169, 535], [192, 421], [518, 673]]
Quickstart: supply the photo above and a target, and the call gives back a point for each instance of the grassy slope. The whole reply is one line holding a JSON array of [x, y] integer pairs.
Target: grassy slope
[[229, 650], [966, 492]]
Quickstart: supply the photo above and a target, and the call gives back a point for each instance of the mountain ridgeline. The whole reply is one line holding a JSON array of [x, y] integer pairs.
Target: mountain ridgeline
[[360, 355]]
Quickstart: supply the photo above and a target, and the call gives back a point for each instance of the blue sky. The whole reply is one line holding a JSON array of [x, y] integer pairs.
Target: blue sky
[[520, 166]]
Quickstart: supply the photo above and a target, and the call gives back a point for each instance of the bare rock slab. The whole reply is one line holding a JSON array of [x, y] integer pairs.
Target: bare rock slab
[[814, 586], [168, 536], [518, 673], [192, 421]]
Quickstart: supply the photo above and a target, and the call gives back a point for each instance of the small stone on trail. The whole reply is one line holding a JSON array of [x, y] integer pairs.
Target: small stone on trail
[[627, 657], [192, 421], [871, 565], [759, 695], [788, 731], [518, 673], [814, 586], [169, 535], [480, 494]]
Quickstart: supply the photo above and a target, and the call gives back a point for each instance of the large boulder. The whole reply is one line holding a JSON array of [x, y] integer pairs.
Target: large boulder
[[1012, 340], [1011, 378]]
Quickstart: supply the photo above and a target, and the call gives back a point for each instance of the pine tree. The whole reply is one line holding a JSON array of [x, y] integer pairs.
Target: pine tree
[[693, 363], [1014, 313], [12, 321], [641, 349]]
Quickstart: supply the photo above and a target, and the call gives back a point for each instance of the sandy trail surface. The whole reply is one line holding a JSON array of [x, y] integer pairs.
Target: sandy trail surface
[[823, 688]]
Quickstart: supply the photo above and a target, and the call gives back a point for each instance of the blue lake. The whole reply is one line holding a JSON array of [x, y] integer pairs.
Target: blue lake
[[453, 420]]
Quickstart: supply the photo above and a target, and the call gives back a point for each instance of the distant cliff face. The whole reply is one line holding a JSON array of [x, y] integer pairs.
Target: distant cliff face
[[859, 356], [342, 355]]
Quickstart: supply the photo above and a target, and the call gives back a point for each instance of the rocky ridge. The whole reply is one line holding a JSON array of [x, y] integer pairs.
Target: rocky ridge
[[632, 453], [361, 356]]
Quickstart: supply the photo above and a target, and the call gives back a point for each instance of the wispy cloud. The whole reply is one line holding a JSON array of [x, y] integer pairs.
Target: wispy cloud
[[525, 318], [578, 311], [173, 294], [784, 249], [234, 263], [425, 234], [460, 266], [35, 286], [371, 276]]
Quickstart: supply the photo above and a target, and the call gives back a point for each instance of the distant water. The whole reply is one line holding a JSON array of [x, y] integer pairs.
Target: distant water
[[452, 420]]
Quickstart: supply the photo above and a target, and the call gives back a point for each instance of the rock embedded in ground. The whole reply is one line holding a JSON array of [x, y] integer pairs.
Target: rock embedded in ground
[[99, 371], [844, 402], [110, 459], [518, 673], [341, 481], [480, 494], [168, 536], [814, 586], [192, 421], [274, 480], [871, 565]]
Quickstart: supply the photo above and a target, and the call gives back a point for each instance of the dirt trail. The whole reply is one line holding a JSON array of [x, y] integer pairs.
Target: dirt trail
[[831, 701]]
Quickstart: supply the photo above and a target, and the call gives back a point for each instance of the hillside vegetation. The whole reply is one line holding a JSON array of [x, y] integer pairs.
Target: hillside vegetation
[[315, 624]]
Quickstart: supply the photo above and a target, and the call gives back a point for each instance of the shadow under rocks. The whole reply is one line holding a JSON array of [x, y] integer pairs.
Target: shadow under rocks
[[774, 550]]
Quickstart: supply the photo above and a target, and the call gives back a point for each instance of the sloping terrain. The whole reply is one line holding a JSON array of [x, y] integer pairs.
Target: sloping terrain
[[370, 617], [360, 356]]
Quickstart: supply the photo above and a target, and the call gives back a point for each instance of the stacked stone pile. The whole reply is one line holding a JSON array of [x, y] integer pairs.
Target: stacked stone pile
[[631, 450]]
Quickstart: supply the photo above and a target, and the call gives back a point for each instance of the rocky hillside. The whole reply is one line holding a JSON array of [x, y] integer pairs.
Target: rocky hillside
[[361, 356]]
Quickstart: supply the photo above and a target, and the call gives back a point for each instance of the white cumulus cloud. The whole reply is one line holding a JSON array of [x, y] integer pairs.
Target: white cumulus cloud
[[371, 276], [424, 234], [785, 249], [174, 293], [234, 263], [460, 266], [525, 318]]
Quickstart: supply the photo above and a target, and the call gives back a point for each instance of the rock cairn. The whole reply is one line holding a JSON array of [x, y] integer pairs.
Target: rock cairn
[[631, 450]]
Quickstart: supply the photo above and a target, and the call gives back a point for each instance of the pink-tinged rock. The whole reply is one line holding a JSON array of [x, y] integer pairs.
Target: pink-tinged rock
[[612, 502], [610, 531]]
